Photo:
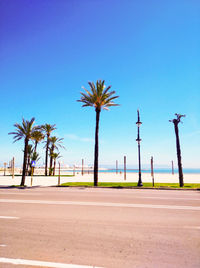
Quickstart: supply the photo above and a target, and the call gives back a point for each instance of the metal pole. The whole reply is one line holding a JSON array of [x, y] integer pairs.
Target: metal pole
[[140, 177], [13, 167], [59, 175], [172, 167], [139, 159], [116, 167], [82, 166], [152, 172], [5, 169], [31, 176], [124, 167], [10, 165], [74, 171]]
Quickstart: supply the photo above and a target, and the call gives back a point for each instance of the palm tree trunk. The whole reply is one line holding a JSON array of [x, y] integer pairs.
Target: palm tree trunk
[[46, 158], [51, 160], [25, 162], [36, 143], [179, 155], [96, 149], [54, 168], [50, 165]]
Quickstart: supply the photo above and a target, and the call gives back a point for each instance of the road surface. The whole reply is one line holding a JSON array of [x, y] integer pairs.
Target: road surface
[[86, 227]]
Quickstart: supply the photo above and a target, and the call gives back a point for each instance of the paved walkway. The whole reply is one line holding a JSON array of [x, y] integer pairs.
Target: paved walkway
[[103, 177]]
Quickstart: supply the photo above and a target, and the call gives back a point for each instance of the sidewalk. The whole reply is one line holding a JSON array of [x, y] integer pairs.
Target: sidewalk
[[103, 177]]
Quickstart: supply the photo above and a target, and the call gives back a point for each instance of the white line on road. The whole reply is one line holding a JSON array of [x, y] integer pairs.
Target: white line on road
[[2, 246], [15, 193], [43, 263], [176, 198], [192, 227], [102, 204], [9, 217]]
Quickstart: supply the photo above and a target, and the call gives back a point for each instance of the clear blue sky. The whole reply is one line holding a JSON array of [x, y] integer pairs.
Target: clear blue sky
[[149, 51]]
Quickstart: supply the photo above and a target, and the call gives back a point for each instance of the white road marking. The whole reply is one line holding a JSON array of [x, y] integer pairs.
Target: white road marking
[[29, 193], [2, 246], [102, 204], [43, 263], [176, 198], [192, 227], [138, 197], [9, 217]]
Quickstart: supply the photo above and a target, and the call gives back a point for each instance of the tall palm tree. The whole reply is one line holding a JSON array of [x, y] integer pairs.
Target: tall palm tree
[[37, 136], [24, 131], [176, 121], [55, 156], [54, 143], [47, 128], [98, 97]]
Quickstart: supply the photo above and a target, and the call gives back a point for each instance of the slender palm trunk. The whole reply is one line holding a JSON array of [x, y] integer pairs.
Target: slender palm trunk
[[51, 160], [50, 165], [46, 158], [36, 143], [29, 165], [54, 168], [25, 162], [96, 149], [181, 182]]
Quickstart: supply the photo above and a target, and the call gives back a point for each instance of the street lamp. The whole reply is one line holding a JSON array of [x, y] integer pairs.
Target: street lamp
[[138, 141]]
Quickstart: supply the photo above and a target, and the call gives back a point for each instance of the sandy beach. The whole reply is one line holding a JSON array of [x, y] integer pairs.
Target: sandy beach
[[103, 177]]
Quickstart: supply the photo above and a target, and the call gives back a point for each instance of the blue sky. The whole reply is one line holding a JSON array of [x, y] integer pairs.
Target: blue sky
[[147, 50]]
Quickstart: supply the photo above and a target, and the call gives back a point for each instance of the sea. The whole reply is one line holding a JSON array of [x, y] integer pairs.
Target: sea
[[168, 171]]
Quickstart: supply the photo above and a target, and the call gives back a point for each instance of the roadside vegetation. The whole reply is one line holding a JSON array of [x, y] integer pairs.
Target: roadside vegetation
[[133, 184], [36, 134]]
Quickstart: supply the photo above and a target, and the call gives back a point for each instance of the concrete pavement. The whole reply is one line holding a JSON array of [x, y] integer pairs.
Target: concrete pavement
[[103, 177]]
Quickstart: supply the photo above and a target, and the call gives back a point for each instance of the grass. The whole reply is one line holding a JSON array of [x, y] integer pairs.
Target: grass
[[133, 185], [18, 186]]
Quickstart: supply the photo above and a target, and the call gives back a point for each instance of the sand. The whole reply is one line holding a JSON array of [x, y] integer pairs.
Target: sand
[[103, 177]]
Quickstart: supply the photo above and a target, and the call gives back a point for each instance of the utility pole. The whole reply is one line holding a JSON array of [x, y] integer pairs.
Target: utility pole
[[172, 167], [13, 167], [74, 171], [138, 141], [124, 167], [82, 167], [116, 167], [152, 172], [31, 175], [59, 174], [5, 168]]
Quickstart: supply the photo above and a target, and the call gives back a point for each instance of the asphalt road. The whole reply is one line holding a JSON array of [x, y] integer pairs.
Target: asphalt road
[[99, 228]]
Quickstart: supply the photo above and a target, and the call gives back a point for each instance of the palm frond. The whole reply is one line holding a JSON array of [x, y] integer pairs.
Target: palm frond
[[99, 97]]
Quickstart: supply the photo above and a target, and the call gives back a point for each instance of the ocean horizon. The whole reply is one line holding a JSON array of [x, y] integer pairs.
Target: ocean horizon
[[110, 170]]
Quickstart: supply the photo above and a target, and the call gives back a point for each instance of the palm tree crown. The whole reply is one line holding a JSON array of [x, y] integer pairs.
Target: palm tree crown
[[37, 136], [55, 142], [99, 97], [47, 128], [24, 130]]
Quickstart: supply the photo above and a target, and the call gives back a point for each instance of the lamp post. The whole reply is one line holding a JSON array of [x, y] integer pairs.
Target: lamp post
[[138, 141]]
